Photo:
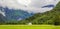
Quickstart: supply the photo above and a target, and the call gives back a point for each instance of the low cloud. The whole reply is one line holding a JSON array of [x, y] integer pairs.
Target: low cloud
[[34, 6]]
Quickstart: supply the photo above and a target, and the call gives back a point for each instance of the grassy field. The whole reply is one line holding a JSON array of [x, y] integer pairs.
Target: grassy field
[[29, 27]]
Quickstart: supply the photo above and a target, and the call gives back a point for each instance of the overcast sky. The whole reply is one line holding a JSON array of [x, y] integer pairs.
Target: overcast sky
[[34, 6]]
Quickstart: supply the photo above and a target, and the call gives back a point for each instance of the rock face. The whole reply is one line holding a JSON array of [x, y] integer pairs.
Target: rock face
[[3, 19]]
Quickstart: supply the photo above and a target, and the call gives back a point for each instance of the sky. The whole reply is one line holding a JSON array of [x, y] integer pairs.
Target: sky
[[30, 6]]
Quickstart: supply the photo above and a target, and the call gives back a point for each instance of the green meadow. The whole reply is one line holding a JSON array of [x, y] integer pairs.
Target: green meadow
[[28, 27]]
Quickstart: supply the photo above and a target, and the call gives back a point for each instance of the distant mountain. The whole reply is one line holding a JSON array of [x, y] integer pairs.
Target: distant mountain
[[12, 14]]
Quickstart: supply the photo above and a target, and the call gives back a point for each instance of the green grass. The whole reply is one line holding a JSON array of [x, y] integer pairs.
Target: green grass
[[29, 27], [57, 27]]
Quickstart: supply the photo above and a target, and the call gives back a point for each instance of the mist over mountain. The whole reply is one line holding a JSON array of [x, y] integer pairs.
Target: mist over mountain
[[12, 14], [37, 12], [51, 17]]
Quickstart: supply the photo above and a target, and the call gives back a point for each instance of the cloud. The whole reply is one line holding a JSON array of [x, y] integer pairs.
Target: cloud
[[40, 3], [34, 6]]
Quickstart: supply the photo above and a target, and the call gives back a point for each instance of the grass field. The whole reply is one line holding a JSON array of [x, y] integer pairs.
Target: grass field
[[29, 27]]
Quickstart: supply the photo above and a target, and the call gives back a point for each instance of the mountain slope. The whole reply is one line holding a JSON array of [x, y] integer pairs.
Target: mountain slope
[[51, 17], [3, 19], [13, 15]]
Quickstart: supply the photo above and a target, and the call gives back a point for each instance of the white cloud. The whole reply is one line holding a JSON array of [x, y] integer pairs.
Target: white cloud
[[34, 6], [24, 2]]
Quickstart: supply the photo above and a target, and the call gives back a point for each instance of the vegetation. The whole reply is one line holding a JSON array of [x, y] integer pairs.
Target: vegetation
[[28, 27], [51, 17]]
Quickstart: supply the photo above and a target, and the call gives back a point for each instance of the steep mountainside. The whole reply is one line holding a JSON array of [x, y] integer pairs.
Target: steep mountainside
[[50, 17]]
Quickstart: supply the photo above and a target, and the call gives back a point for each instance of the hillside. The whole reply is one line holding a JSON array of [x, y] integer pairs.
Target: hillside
[[51, 17]]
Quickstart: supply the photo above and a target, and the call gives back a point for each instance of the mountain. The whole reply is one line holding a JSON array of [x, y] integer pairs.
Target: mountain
[[18, 16], [3, 19], [14, 14], [51, 17]]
